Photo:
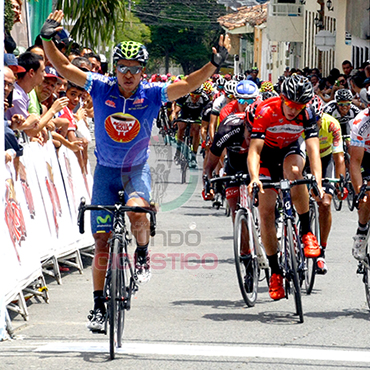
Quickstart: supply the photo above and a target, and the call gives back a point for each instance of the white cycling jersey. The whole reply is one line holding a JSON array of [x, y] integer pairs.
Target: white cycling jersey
[[360, 134]]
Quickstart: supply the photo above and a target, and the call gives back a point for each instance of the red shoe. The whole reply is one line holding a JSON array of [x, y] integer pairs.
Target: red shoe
[[311, 246], [276, 288]]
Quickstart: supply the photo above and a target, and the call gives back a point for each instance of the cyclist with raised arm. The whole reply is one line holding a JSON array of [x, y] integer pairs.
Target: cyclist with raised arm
[[276, 151], [124, 113], [331, 149], [360, 170]]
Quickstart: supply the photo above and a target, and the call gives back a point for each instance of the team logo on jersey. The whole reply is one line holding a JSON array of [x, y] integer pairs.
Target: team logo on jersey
[[110, 103], [122, 127], [139, 101]]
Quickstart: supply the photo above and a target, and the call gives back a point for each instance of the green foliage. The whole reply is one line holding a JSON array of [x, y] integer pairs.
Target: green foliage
[[183, 30], [93, 19], [8, 16], [134, 30]]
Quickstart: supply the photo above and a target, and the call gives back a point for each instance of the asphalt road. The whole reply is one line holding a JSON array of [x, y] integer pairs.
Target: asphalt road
[[191, 314]]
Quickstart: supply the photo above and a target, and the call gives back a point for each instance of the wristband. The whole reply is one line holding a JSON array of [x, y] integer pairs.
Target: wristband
[[44, 39]]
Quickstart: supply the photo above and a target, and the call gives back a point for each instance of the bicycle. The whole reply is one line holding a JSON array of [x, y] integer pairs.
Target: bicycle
[[363, 267], [186, 152], [120, 281], [165, 127], [247, 224], [291, 251], [347, 180]]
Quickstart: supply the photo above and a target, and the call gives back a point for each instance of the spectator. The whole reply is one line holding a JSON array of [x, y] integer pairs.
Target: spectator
[[357, 85], [347, 68], [253, 77], [95, 62], [33, 76]]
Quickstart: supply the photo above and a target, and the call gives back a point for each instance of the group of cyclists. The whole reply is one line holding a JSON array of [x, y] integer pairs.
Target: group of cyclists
[[241, 126], [270, 136]]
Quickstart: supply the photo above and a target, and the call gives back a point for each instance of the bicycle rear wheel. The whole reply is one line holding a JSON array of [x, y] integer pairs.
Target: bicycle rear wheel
[[291, 240], [248, 290], [310, 271]]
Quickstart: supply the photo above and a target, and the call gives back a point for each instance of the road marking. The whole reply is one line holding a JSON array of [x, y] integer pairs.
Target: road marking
[[214, 351]]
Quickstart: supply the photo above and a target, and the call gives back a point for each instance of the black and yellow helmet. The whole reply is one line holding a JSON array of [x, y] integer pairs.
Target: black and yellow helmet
[[131, 50]]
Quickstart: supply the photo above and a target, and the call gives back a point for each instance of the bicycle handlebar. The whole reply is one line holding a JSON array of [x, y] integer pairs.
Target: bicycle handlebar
[[185, 120], [364, 188], [118, 207]]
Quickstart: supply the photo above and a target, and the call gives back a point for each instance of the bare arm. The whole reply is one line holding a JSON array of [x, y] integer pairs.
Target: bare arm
[[340, 167], [254, 157], [59, 61], [313, 151], [357, 154]]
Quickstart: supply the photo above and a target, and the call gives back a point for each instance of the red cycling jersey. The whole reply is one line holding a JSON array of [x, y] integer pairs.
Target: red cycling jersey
[[230, 108], [271, 125]]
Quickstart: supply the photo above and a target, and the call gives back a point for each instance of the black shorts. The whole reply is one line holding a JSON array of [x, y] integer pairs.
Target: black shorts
[[272, 159], [365, 166]]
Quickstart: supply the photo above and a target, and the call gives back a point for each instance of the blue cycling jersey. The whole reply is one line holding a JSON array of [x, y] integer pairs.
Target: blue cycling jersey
[[123, 126]]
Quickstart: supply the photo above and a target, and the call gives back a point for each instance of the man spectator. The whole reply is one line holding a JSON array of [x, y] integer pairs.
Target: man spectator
[[34, 75], [95, 61], [253, 76], [347, 68]]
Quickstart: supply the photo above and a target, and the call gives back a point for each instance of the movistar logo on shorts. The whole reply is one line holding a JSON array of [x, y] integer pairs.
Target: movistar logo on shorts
[[101, 220]]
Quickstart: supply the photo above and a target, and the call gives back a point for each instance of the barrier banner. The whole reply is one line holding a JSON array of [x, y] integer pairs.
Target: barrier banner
[[41, 203]]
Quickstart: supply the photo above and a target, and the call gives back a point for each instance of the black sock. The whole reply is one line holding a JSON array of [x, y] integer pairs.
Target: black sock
[[305, 223], [99, 300], [362, 229], [274, 264], [142, 250]]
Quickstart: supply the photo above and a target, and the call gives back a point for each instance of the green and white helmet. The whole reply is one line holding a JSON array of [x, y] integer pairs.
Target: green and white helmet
[[131, 50]]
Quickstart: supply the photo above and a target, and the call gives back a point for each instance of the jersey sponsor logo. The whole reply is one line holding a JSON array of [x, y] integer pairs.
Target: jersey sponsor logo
[[101, 220], [122, 127], [295, 129], [110, 103], [364, 127], [227, 136], [139, 101]]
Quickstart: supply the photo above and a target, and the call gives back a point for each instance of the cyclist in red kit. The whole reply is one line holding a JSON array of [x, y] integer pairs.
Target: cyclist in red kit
[[277, 151]]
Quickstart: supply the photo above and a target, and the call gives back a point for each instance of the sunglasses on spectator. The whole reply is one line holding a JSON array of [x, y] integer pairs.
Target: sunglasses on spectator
[[293, 104], [133, 70], [243, 101], [343, 82], [344, 104]]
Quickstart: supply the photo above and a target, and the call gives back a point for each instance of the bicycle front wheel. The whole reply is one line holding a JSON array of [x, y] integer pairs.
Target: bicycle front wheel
[[246, 268], [115, 312], [122, 288], [350, 197], [291, 239], [366, 279], [310, 271], [337, 203]]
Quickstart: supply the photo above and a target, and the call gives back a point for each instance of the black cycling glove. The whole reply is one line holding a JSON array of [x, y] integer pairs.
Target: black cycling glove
[[221, 55], [48, 29]]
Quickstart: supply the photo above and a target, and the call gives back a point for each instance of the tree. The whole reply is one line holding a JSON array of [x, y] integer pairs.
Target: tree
[[181, 30], [93, 20]]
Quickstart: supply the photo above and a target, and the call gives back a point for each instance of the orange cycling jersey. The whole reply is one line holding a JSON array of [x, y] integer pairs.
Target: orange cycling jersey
[[271, 125]]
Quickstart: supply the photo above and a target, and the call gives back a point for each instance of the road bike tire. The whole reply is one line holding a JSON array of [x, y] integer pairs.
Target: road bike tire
[[291, 241], [310, 271], [366, 279], [337, 202], [112, 307], [350, 197], [249, 297], [122, 289]]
